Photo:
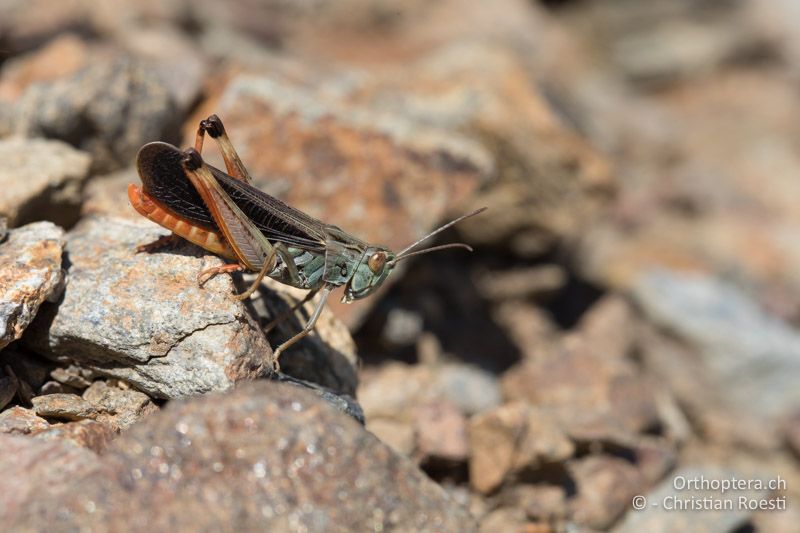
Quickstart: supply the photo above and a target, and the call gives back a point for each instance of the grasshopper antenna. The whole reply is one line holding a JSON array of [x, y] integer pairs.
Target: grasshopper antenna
[[404, 253]]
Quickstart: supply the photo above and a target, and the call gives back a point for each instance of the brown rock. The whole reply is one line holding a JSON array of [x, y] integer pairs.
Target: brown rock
[[441, 433], [530, 327], [396, 389], [513, 437], [265, 456], [64, 55], [30, 273], [510, 519], [64, 407], [119, 408], [543, 503], [654, 457], [586, 390], [605, 487], [550, 181], [21, 421], [73, 376], [398, 435], [608, 329], [90, 434], [35, 469]]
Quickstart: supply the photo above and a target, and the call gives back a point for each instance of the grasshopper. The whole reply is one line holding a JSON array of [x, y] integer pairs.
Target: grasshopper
[[222, 213]]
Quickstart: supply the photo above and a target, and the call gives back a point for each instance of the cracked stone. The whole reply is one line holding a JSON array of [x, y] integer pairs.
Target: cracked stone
[[142, 318], [30, 273]]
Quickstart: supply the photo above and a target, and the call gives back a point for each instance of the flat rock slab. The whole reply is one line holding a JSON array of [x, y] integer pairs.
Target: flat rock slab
[[266, 457], [141, 316], [39, 178], [30, 273]]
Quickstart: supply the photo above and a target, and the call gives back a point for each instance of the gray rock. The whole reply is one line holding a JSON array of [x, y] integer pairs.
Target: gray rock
[[265, 457], [471, 389], [30, 273], [3, 228], [142, 318], [110, 109], [40, 179], [752, 358]]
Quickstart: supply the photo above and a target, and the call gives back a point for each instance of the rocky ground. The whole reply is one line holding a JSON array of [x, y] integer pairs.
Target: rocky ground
[[630, 315]]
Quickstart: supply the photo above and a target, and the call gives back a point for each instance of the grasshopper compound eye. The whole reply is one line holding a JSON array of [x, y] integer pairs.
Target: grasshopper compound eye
[[376, 262]]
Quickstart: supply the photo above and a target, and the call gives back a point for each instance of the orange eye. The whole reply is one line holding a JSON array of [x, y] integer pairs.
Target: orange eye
[[376, 262]]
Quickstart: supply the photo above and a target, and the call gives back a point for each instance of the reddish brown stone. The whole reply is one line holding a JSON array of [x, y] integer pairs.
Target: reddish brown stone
[[21, 421]]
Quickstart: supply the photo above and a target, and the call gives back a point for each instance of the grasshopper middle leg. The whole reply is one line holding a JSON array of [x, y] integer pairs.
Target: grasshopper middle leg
[[325, 292]]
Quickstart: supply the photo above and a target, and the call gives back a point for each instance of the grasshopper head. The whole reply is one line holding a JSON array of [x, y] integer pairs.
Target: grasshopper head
[[375, 265], [377, 262]]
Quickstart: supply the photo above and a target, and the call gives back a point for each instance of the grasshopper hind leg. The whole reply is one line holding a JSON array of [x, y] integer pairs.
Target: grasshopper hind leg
[[233, 163]]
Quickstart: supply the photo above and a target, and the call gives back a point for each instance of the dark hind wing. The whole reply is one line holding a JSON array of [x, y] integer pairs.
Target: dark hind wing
[[159, 166]]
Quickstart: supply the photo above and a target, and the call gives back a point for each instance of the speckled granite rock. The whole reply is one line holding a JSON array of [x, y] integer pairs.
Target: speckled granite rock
[[267, 456], [141, 316], [30, 273]]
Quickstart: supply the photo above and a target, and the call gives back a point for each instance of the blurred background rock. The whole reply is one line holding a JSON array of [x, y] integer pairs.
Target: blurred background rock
[[630, 312]]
